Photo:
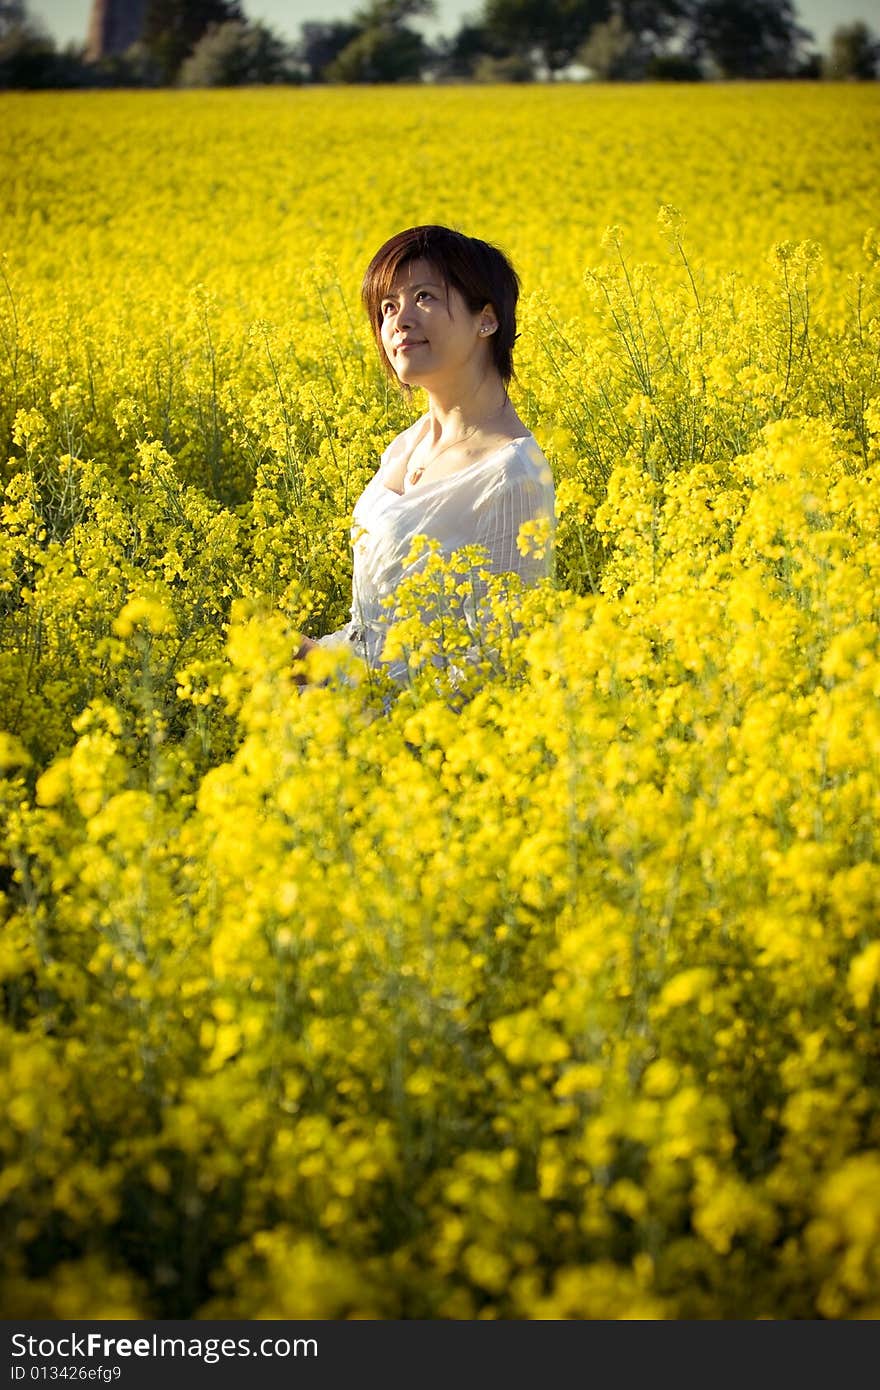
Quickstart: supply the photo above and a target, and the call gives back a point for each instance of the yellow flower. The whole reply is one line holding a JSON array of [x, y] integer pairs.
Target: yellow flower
[[863, 977], [144, 612]]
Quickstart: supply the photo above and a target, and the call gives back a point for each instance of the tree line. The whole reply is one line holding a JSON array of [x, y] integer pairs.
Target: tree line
[[212, 43]]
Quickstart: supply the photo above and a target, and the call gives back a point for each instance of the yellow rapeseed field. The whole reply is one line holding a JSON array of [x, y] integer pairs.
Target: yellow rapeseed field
[[555, 995]]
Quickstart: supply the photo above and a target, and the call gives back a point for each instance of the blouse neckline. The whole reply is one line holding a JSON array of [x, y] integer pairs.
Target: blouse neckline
[[459, 472]]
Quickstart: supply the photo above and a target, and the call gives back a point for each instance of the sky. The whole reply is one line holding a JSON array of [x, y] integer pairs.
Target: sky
[[68, 20]]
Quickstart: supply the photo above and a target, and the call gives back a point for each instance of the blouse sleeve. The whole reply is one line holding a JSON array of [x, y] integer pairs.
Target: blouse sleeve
[[523, 496], [520, 498]]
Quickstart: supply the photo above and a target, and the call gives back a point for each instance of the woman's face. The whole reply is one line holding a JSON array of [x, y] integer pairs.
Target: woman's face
[[428, 332]]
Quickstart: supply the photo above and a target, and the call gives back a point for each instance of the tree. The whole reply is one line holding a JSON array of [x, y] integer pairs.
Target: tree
[[749, 38], [514, 68], [656, 22], [854, 53], [381, 55], [459, 55], [320, 42], [473, 47], [13, 15], [385, 49], [610, 52], [172, 28], [551, 31], [28, 58], [672, 67], [390, 14], [236, 54], [136, 67], [643, 38]]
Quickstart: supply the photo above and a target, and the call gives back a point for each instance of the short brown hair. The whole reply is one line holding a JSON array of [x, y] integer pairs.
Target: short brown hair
[[479, 271]]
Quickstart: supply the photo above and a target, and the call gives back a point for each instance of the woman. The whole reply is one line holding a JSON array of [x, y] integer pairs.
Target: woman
[[443, 310]]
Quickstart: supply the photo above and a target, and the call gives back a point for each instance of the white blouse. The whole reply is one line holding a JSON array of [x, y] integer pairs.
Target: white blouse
[[484, 504]]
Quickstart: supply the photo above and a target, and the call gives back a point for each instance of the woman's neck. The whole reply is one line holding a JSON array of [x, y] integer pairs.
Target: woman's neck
[[457, 412], [462, 419]]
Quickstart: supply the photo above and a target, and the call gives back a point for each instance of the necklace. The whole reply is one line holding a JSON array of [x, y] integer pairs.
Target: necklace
[[412, 474]]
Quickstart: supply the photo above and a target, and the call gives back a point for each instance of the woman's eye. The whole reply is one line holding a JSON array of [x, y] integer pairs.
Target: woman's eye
[[390, 306]]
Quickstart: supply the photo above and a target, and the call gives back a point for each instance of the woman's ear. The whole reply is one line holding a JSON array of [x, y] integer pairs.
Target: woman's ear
[[488, 321]]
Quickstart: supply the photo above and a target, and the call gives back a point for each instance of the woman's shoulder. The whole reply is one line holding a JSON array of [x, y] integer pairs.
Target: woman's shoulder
[[522, 459]]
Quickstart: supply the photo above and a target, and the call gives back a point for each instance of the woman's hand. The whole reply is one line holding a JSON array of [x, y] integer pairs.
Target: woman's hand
[[306, 645]]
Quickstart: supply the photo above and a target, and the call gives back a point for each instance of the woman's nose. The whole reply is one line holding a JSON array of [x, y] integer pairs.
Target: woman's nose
[[405, 315]]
